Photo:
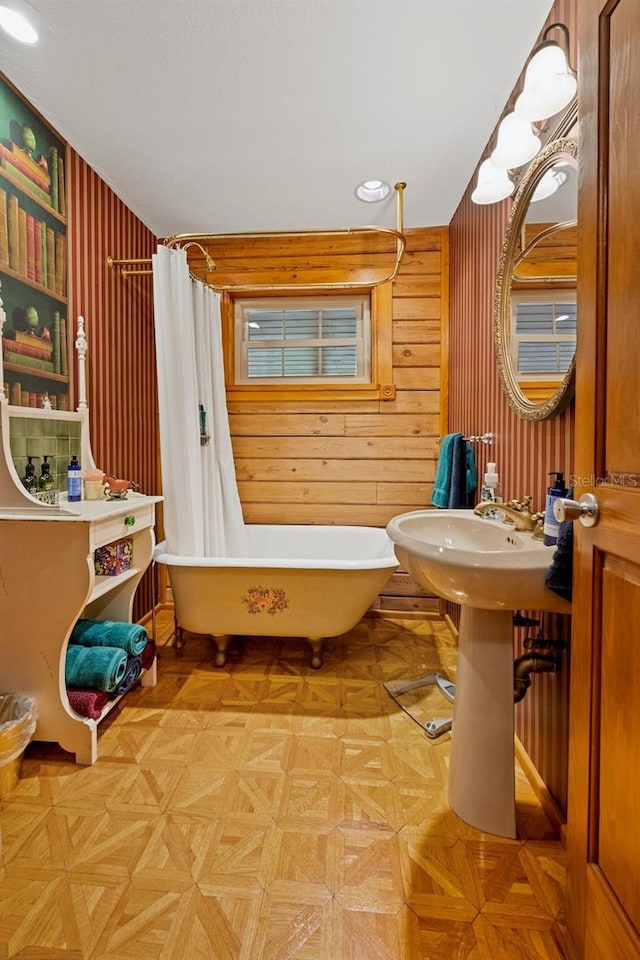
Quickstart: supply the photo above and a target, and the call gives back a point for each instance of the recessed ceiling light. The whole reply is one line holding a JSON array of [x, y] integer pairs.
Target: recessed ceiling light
[[17, 25], [371, 191]]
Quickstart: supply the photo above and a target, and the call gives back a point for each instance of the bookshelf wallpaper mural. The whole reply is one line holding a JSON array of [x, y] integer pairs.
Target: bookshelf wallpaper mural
[[33, 255]]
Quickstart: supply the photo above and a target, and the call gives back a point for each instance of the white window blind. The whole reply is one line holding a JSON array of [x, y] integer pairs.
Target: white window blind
[[303, 340], [543, 338]]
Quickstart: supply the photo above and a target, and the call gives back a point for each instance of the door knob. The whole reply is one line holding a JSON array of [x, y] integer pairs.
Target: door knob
[[585, 509]]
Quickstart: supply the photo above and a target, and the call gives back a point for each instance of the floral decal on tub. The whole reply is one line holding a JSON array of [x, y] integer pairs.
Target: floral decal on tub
[[265, 600]]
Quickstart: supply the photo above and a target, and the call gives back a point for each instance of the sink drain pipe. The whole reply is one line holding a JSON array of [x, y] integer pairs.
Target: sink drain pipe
[[530, 663]]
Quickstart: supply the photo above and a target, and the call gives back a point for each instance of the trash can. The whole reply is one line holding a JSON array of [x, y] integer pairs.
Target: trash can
[[17, 725]]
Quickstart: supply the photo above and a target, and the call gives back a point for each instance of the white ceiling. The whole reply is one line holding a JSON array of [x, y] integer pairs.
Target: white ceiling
[[237, 115]]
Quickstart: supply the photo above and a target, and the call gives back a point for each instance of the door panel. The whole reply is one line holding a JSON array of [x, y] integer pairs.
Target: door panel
[[603, 825], [619, 820]]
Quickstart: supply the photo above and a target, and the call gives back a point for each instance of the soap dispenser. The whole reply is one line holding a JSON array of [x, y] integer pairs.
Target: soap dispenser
[[551, 525], [74, 480], [45, 480], [30, 481], [491, 485]]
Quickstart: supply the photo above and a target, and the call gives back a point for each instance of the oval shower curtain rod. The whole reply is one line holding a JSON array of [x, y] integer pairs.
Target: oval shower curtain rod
[[182, 241]]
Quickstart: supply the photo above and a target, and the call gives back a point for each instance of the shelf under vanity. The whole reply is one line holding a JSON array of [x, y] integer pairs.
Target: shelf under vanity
[[48, 578]]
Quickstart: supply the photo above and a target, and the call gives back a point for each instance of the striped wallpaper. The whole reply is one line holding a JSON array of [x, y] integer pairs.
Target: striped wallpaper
[[524, 451], [121, 369]]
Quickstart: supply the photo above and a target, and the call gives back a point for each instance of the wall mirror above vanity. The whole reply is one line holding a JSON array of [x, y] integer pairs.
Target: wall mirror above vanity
[[535, 316]]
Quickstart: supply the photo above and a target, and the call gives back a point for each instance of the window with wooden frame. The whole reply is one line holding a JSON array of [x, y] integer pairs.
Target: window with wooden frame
[[309, 345]]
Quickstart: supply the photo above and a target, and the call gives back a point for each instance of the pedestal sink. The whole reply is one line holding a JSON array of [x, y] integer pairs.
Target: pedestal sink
[[491, 569]]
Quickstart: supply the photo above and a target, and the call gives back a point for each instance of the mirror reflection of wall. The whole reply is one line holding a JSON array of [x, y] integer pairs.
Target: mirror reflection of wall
[[536, 316], [543, 285]]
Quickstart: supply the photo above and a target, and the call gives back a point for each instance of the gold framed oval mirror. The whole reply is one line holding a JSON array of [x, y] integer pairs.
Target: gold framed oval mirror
[[535, 300]]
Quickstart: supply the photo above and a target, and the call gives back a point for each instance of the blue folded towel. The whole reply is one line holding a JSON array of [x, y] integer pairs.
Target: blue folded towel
[[458, 482], [442, 483], [560, 574], [94, 668], [131, 676], [130, 637]]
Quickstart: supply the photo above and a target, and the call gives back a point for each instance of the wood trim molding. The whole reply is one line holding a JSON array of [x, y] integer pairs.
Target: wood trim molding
[[539, 787], [444, 332], [381, 387]]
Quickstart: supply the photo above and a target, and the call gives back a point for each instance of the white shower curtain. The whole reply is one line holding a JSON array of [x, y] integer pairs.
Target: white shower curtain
[[202, 511]]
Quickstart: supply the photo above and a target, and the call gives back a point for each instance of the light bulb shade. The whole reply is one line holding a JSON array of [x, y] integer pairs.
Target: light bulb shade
[[372, 191], [549, 84], [16, 25], [493, 184], [517, 143], [549, 183]]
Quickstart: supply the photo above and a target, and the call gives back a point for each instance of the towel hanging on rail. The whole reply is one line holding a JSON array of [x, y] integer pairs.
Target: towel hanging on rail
[[455, 473]]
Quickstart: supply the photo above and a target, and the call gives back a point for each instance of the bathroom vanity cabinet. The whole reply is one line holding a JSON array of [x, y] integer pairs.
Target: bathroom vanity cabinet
[[47, 573]]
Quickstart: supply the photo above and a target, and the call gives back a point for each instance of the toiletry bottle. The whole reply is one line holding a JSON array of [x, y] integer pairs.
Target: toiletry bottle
[[491, 490], [551, 525], [74, 480], [30, 480], [491, 485], [45, 480]]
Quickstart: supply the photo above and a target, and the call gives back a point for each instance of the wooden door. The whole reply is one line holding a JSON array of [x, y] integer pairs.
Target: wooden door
[[603, 828]]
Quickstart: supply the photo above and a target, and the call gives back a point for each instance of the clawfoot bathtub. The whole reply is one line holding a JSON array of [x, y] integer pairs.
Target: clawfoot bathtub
[[296, 581]]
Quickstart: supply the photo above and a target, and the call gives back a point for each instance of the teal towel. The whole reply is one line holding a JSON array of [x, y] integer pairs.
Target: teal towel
[[94, 668], [472, 476], [442, 482], [130, 637]]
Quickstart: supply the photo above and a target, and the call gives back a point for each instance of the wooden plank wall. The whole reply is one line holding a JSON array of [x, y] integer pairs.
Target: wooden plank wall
[[523, 451], [347, 461]]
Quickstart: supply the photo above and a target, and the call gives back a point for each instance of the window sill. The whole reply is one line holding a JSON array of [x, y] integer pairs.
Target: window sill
[[277, 392]]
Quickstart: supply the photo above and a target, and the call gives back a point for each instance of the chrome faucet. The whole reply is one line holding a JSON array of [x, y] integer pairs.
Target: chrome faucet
[[517, 512]]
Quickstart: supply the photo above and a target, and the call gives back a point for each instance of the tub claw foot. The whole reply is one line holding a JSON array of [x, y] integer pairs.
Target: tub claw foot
[[180, 641], [316, 653], [221, 642]]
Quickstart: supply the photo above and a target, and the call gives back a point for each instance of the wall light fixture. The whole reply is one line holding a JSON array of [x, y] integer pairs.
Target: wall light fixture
[[550, 84]]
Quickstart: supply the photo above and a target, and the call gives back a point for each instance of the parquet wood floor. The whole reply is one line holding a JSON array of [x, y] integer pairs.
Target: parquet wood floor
[[267, 811]]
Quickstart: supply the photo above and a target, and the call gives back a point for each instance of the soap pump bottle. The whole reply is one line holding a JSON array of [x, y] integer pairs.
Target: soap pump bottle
[[30, 481], [45, 480], [74, 481], [551, 525], [491, 485]]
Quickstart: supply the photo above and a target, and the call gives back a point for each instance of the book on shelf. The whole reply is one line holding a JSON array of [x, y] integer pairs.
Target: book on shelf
[[62, 193], [64, 347], [53, 164], [29, 340], [43, 255], [37, 250], [4, 230], [24, 183], [19, 159], [34, 363], [61, 278], [15, 393], [31, 248], [22, 241], [55, 330], [51, 259], [27, 349], [14, 233]]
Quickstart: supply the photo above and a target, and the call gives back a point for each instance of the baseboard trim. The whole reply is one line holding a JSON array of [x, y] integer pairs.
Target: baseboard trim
[[449, 622], [539, 787]]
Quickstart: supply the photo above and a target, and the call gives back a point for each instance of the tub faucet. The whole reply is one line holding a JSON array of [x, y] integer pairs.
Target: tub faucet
[[517, 512]]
